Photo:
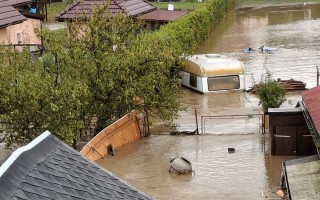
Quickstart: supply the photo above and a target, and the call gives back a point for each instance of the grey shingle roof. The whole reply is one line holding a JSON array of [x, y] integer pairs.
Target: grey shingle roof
[[49, 169], [9, 15], [82, 9]]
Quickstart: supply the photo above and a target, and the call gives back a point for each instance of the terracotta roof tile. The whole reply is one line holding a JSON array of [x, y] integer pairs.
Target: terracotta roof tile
[[311, 99]]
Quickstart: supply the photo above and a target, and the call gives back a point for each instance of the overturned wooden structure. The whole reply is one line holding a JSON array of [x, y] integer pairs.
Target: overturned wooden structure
[[121, 132], [291, 84], [288, 85]]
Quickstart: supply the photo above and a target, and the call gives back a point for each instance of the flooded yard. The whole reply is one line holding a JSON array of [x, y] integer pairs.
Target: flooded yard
[[248, 173], [251, 172]]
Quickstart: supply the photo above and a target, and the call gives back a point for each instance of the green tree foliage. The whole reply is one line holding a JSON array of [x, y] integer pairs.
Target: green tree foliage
[[128, 68], [270, 93], [103, 70], [32, 101]]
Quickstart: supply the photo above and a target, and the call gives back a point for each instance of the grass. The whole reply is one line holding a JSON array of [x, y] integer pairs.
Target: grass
[[54, 9]]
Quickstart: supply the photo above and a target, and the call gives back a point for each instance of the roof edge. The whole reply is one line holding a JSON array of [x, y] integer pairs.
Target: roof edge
[[73, 4], [19, 151]]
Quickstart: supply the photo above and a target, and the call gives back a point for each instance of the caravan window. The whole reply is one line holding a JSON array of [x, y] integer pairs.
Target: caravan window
[[223, 83], [193, 80]]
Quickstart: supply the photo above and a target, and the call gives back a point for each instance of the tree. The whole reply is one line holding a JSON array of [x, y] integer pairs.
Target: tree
[[32, 100], [128, 68], [104, 71], [270, 93]]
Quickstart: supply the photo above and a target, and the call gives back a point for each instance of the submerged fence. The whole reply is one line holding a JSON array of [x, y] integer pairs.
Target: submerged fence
[[232, 124]]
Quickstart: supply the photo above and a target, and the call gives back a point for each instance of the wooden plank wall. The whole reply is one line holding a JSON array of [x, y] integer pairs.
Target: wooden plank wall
[[121, 132]]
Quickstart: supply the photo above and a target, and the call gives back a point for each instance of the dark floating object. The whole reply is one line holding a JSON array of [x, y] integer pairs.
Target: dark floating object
[[195, 132], [231, 150], [110, 150], [180, 165], [248, 50]]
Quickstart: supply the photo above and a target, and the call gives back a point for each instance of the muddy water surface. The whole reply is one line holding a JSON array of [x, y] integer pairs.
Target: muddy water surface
[[246, 174], [251, 172]]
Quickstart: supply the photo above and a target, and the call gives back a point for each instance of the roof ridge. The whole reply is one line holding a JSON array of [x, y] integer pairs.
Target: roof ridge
[[21, 150], [73, 4], [120, 4]]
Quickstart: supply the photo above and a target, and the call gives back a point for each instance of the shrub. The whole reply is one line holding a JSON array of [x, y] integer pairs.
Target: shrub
[[270, 93]]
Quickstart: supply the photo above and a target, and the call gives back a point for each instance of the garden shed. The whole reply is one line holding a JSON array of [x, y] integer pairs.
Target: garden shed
[[302, 176], [289, 132]]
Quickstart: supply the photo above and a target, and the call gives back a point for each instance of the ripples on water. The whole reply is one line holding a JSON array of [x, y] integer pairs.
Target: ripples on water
[[295, 32], [218, 174], [250, 170]]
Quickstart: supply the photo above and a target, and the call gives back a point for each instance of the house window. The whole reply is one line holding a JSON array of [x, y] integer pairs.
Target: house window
[[223, 83], [193, 80], [19, 38]]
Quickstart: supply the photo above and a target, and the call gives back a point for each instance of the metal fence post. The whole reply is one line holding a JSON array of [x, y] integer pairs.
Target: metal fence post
[[318, 74]]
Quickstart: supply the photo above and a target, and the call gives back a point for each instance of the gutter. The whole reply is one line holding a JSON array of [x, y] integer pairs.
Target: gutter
[[286, 180]]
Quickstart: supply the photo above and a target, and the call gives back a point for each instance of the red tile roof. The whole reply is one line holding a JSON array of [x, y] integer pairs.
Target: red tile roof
[[163, 15], [83, 9], [311, 99], [9, 15]]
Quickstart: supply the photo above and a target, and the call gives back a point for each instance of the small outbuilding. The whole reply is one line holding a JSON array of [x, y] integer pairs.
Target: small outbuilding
[[302, 176], [289, 132]]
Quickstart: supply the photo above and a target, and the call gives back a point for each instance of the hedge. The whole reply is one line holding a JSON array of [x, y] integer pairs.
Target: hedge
[[187, 32]]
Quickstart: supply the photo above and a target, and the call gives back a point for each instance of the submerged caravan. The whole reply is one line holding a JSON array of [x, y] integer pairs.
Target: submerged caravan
[[209, 73]]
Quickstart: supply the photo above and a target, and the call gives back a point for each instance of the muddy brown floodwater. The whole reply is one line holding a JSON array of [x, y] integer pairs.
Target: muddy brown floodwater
[[251, 172]]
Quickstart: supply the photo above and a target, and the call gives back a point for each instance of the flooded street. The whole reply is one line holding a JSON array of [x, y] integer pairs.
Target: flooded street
[[251, 172]]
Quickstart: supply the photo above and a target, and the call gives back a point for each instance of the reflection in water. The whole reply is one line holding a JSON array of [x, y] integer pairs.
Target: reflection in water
[[251, 169]]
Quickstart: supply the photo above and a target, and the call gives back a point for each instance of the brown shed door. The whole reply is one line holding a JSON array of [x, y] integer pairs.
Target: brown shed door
[[285, 140], [305, 144]]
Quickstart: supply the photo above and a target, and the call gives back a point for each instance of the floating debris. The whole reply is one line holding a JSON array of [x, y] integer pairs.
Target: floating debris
[[280, 193], [180, 165], [195, 132], [288, 85], [263, 194], [231, 150], [292, 84]]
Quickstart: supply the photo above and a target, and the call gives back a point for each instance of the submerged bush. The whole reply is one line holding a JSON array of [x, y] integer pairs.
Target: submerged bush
[[270, 93]]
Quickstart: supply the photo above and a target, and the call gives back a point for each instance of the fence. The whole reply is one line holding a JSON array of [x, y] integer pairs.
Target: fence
[[232, 124]]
